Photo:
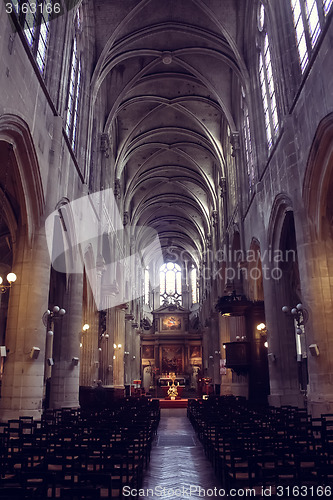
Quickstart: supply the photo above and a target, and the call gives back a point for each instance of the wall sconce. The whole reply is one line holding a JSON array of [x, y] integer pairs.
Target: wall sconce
[[34, 353], [262, 328], [314, 350], [11, 278], [85, 327], [50, 361], [3, 351], [75, 361]]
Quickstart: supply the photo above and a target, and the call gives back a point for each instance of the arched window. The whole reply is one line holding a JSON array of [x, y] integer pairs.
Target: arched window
[[247, 141], [146, 287], [35, 21], [74, 88], [308, 17], [266, 78], [194, 285], [170, 283], [327, 4]]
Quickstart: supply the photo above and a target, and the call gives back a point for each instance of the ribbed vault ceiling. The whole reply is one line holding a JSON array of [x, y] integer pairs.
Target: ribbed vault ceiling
[[165, 76]]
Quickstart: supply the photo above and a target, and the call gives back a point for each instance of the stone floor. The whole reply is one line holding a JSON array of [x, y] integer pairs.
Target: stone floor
[[178, 466]]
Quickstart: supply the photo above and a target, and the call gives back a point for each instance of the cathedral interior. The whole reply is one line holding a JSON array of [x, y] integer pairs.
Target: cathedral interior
[[165, 207]]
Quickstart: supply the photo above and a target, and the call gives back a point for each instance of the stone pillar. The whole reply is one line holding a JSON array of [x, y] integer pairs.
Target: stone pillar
[[226, 377], [283, 375], [215, 349], [316, 271], [66, 370], [119, 339], [23, 377], [128, 352]]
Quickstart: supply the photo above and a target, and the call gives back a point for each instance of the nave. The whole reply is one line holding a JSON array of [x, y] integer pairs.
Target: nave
[[178, 467], [218, 447]]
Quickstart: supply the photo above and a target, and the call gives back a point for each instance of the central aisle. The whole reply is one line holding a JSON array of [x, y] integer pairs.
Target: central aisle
[[178, 466]]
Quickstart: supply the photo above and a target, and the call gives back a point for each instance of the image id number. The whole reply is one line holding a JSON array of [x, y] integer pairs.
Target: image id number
[[303, 491]]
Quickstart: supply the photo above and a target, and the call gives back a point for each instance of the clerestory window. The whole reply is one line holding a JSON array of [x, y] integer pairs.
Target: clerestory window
[[247, 141], [309, 17], [74, 88], [170, 283], [266, 79], [34, 18]]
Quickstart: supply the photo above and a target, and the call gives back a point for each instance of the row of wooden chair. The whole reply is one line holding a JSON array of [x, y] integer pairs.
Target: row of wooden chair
[[74, 453], [252, 447]]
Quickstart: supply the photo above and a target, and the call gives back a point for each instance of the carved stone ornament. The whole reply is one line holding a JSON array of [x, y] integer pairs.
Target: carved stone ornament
[[223, 186], [215, 218], [235, 143], [105, 145], [117, 188]]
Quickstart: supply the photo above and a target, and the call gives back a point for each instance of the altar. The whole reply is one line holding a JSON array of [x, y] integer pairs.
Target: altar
[[166, 381], [171, 346]]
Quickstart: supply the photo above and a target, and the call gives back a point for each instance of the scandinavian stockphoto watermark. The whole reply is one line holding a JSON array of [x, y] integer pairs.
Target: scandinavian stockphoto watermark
[[86, 234]]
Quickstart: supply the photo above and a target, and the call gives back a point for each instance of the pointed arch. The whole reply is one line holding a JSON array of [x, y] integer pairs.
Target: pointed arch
[[15, 131]]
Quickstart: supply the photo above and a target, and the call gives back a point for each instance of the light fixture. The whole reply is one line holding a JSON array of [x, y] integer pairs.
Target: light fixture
[[34, 353], [300, 315], [261, 327], [266, 344], [50, 316], [85, 327], [11, 278], [314, 350], [75, 361]]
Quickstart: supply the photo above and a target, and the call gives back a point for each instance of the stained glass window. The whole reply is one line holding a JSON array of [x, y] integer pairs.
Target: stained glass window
[[266, 79], [171, 283]]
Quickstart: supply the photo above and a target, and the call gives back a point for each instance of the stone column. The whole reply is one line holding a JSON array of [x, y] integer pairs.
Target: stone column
[[23, 377], [283, 376], [316, 271], [66, 349], [119, 339]]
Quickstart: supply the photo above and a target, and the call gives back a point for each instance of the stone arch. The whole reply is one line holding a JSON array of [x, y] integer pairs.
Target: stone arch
[[317, 271], [318, 181], [255, 272], [25, 170], [287, 376]]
